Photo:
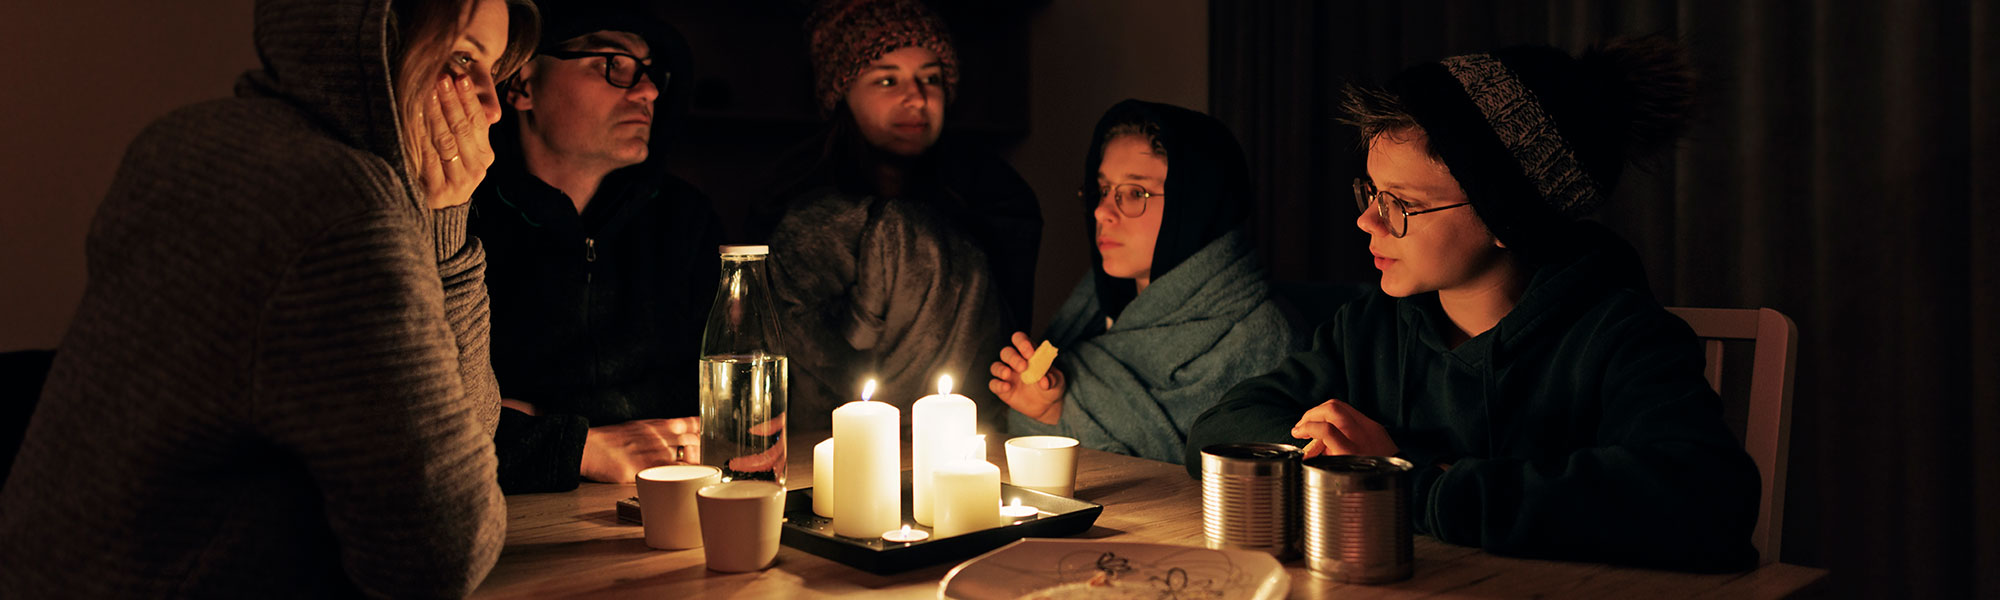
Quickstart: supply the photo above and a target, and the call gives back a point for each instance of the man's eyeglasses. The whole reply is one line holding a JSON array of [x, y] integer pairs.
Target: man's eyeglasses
[[1398, 219], [1130, 198], [621, 70]]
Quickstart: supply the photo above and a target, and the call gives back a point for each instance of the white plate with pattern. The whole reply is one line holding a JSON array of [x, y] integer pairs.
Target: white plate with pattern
[[1055, 569]]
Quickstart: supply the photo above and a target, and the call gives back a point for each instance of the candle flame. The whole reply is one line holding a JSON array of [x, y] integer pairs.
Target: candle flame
[[944, 385], [868, 390], [1017, 502], [906, 530]]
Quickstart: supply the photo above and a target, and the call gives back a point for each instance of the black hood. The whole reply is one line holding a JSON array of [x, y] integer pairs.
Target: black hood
[[1595, 264], [1207, 189], [1599, 262]]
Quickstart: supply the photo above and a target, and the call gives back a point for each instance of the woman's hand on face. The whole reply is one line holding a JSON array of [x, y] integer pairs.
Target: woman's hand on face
[[454, 155], [1337, 428], [1041, 400]]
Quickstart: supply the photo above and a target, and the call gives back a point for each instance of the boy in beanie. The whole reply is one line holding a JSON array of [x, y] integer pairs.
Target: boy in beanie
[[896, 254], [1551, 407], [600, 263]]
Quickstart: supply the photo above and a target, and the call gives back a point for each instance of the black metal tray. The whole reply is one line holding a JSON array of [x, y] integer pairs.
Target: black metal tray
[[813, 533]]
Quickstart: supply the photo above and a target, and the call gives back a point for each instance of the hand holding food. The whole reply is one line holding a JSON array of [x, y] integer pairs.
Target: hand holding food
[[1038, 365]]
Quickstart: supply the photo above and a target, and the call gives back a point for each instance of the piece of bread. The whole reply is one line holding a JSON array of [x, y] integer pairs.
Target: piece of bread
[[1038, 365]]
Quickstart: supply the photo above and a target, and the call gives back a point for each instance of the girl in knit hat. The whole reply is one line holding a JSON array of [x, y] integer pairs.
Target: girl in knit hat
[[1515, 355], [896, 254]]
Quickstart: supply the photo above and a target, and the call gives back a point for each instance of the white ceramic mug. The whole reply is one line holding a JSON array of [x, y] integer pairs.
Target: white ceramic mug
[[667, 504], [1044, 463], [740, 521]]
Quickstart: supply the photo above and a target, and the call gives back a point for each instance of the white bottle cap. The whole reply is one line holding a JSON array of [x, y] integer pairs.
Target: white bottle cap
[[745, 250]]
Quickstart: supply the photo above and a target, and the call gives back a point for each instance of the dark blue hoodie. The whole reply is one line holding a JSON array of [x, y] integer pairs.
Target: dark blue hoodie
[[1579, 428]]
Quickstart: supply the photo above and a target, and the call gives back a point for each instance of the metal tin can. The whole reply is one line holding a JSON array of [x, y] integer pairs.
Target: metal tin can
[[1249, 497], [1357, 518]]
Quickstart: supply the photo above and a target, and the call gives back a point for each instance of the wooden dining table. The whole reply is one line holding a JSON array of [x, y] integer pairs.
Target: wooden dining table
[[572, 544]]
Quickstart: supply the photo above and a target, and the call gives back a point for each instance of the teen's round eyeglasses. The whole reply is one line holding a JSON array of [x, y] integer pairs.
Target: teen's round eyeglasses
[[1399, 218], [1130, 198]]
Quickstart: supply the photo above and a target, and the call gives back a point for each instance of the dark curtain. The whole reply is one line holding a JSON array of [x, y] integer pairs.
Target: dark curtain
[[1844, 171]]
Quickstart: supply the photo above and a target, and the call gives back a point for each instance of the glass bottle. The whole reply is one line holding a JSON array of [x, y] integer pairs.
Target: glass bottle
[[743, 374]]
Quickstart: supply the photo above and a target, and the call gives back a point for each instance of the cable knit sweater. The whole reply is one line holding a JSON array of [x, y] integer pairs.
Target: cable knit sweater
[[276, 384], [884, 289]]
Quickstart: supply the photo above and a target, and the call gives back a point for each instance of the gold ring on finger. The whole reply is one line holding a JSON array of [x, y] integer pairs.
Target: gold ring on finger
[[451, 160]]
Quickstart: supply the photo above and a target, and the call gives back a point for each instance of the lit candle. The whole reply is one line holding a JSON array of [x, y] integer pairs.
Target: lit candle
[[868, 496], [1017, 512], [936, 423], [905, 535], [823, 479], [968, 491]]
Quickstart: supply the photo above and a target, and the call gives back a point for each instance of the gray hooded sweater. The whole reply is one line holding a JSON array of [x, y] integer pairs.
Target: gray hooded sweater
[[276, 384]]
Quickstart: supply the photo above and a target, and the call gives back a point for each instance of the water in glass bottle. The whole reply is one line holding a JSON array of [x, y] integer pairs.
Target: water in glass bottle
[[743, 376]]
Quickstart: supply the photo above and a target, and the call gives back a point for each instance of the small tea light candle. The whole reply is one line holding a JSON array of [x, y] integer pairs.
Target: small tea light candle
[[905, 535], [1016, 511]]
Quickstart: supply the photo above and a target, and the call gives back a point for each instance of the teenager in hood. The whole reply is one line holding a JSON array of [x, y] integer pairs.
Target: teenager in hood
[[1177, 309], [896, 254], [601, 263], [1514, 354], [277, 384]]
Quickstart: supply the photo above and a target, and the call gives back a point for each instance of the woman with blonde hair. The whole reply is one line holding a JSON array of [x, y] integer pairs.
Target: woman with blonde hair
[[276, 383]]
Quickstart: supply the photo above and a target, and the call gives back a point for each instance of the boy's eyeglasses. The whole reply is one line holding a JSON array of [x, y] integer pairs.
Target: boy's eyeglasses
[[1399, 219]]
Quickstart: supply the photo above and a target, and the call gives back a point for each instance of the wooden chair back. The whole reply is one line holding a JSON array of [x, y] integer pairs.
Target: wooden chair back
[[1767, 430]]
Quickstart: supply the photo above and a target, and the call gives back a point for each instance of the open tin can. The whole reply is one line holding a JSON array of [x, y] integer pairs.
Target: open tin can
[[1357, 518], [1249, 497]]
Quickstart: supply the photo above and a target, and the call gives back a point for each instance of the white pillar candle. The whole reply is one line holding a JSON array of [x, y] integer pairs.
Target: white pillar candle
[[968, 491], [866, 459], [936, 422], [823, 479]]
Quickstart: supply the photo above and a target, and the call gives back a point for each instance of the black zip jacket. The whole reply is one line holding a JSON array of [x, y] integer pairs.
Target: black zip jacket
[[597, 317]]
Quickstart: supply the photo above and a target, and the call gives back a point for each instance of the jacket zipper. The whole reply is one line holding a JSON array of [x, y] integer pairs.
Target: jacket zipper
[[589, 267]]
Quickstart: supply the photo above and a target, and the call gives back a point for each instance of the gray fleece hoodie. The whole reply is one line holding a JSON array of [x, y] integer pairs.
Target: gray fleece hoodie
[[276, 384]]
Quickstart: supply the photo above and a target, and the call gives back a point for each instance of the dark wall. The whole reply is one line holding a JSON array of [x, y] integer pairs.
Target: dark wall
[[82, 78]]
